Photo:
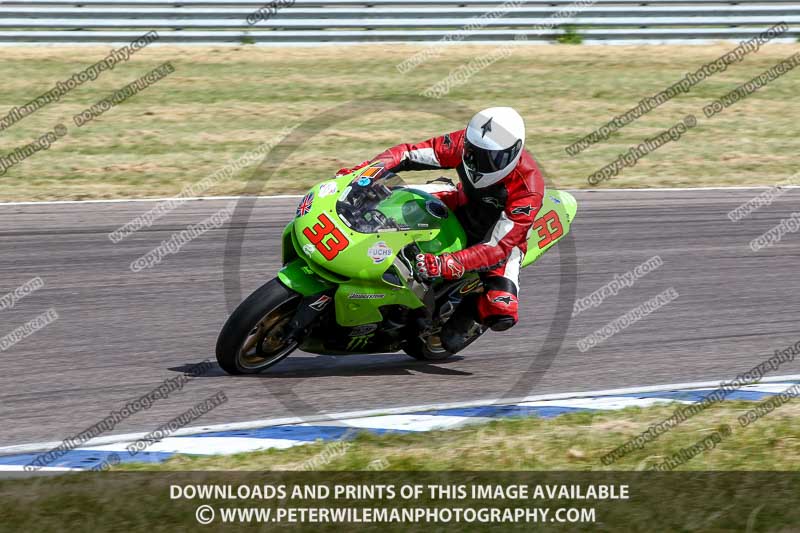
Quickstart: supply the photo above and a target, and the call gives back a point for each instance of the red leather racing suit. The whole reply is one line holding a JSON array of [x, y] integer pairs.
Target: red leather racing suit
[[497, 219]]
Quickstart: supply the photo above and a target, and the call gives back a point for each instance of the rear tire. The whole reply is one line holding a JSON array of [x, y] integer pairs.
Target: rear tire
[[250, 342]]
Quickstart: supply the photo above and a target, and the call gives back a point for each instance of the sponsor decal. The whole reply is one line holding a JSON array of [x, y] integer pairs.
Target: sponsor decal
[[363, 182], [343, 196], [358, 343], [491, 200], [308, 249], [327, 189], [372, 171], [503, 299], [305, 205], [522, 210], [470, 286], [365, 296], [555, 200], [361, 331], [321, 303], [379, 252], [456, 269]]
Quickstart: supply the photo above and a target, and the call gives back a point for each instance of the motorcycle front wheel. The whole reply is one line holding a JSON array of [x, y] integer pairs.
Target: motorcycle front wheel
[[254, 337]]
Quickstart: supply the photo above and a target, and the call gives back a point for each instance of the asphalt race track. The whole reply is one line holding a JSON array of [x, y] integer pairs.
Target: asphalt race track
[[120, 334]]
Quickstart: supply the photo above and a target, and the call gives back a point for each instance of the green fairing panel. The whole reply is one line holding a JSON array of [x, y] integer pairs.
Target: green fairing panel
[[288, 251], [449, 238], [359, 303], [552, 222], [367, 255], [300, 278]]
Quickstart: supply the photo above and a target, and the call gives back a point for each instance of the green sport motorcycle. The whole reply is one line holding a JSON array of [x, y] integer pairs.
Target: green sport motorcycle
[[348, 284]]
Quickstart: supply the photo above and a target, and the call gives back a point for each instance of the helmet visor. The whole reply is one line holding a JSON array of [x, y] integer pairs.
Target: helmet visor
[[485, 161]]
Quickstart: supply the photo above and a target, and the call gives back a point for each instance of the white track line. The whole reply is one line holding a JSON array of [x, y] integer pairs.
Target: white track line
[[135, 200], [21, 468], [682, 189], [329, 417], [412, 422], [277, 196], [204, 445], [611, 403]]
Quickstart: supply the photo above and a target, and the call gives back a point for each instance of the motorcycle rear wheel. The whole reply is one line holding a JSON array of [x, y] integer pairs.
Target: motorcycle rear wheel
[[252, 339], [428, 350]]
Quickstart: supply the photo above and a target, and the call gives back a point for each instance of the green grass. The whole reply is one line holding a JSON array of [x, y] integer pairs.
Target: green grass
[[574, 441], [223, 101], [526, 451], [570, 36]]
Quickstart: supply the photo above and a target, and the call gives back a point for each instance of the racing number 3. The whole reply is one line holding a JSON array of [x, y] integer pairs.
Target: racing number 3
[[317, 233], [549, 228]]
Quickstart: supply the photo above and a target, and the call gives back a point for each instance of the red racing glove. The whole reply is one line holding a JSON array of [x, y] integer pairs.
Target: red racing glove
[[343, 171], [444, 266]]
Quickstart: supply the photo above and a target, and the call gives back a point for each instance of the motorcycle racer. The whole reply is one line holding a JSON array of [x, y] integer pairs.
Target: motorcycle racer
[[499, 193]]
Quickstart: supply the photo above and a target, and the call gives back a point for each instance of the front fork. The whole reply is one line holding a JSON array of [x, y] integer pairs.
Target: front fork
[[308, 311], [317, 294]]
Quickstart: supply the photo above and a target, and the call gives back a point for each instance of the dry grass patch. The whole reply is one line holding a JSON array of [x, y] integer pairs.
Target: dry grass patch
[[224, 101]]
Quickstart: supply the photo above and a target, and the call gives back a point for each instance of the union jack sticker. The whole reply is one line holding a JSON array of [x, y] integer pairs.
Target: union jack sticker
[[305, 205]]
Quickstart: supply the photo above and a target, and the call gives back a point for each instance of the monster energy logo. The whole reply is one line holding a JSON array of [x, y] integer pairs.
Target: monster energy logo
[[357, 343]]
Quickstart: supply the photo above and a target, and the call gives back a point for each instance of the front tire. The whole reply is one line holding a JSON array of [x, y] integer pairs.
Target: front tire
[[253, 338]]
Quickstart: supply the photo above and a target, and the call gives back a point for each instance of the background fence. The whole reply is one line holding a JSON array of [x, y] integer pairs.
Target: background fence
[[347, 21]]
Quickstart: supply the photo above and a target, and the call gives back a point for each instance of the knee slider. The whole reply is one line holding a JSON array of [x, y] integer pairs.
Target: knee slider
[[500, 323]]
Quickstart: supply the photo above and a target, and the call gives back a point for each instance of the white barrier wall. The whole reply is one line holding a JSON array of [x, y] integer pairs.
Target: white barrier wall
[[345, 21]]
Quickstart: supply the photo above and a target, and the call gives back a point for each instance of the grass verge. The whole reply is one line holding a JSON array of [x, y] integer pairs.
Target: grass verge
[[529, 451], [574, 441], [224, 101]]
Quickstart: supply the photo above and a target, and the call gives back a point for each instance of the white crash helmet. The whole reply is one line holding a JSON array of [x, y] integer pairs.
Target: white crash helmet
[[493, 145]]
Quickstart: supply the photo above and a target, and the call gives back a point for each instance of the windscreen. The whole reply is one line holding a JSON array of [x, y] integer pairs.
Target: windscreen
[[383, 202]]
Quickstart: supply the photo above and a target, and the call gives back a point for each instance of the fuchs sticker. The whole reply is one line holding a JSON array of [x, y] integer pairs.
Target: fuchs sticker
[[555, 200], [321, 303], [379, 252], [364, 296], [328, 189], [366, 329], [305, 205]]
